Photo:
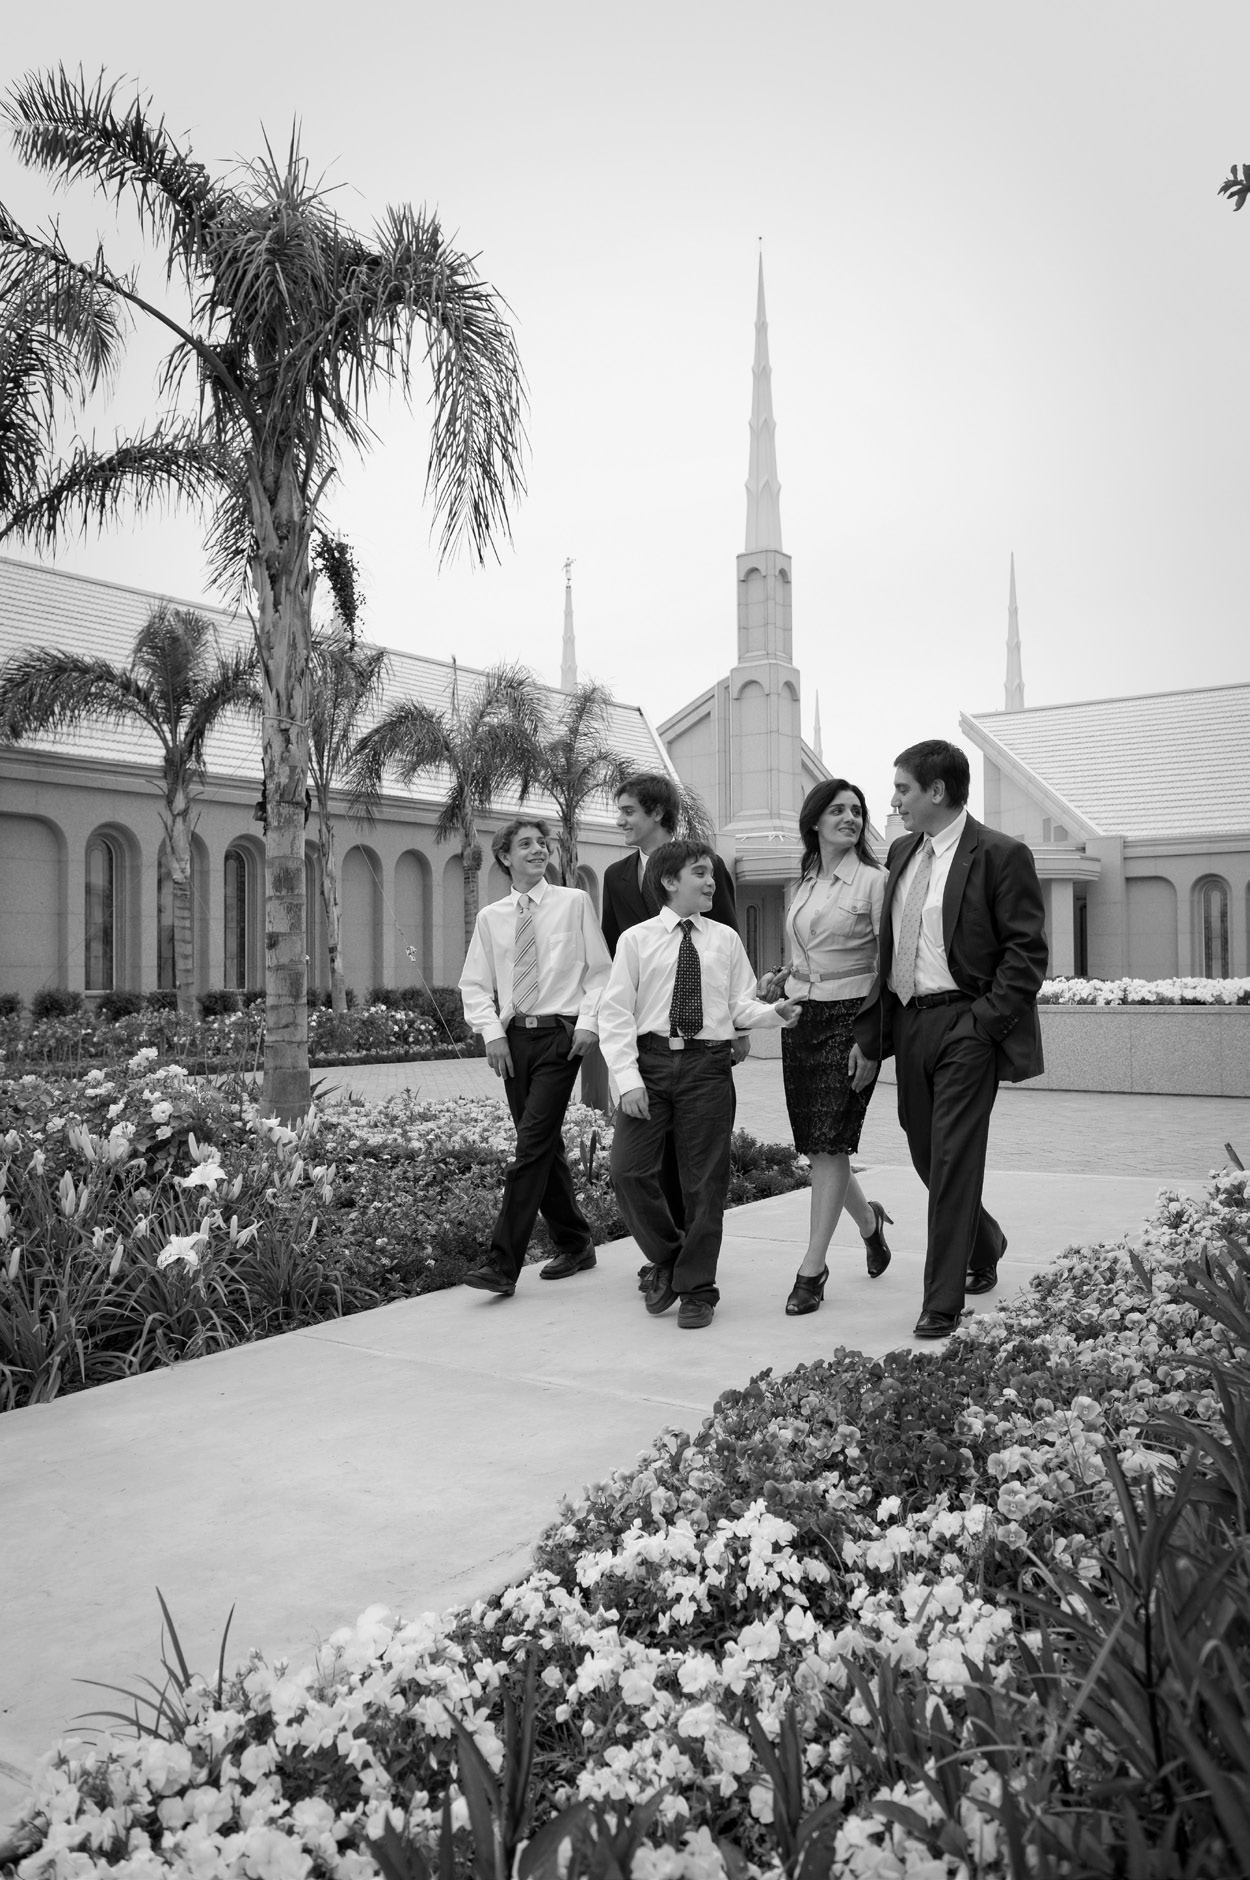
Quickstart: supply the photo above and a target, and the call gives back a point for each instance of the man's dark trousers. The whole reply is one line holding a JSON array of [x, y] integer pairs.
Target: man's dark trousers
[[538, 1180], [690, 1093], [947, 1083]]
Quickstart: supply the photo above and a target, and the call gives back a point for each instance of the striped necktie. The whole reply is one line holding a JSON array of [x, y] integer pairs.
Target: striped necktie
[[685, 1016], [909, 932], [524, 958]]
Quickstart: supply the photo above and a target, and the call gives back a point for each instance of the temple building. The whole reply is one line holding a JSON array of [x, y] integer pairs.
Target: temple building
[[1137, 810], [739, 744]]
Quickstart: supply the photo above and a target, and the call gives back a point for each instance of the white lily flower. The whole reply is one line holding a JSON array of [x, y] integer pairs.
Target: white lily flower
[[207, 1175], [182, 1247], [67, 1194]]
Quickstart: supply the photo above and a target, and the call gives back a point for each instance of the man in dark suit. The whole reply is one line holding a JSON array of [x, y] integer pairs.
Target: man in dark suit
[[647, 808], [962, 956]]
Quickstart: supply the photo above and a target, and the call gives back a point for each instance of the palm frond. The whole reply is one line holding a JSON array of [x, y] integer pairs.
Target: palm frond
[[96, 488], [72, 128], [346, 681], [46, 691]]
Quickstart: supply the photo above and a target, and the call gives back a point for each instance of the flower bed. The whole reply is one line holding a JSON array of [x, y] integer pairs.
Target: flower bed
[[978, 1613], [147, 1216], [1145, 992]]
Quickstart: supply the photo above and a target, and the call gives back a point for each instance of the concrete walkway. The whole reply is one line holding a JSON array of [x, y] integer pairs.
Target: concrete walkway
[[411, 1455]]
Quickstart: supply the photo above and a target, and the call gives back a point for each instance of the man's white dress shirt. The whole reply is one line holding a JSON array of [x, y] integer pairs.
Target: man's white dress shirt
[[573, 960], [932, 972], [639, 993]]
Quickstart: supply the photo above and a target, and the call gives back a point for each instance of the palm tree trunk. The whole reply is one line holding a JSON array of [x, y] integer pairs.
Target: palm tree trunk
[[178, 841], [471, 865], [332, 905], [283, 633]]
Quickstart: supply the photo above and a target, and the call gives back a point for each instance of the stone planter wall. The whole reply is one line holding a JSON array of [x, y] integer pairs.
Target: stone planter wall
[[1149, 1050]]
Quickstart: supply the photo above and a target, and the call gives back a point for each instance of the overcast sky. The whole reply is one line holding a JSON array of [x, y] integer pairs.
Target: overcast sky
[[1005, 309]]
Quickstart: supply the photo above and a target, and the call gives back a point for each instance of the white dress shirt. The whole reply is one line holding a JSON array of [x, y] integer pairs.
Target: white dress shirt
[[932, 972], [573, 960], [832, 928], [639, 994]]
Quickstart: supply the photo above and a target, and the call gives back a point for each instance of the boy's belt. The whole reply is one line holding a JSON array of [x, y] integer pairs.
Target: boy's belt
[[539, 1021], [656, 1041]]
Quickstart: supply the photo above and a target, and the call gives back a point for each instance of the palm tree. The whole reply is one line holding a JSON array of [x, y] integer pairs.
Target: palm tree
[[576, 761], [347, 681], [479, 745], [292, 322], [178, 684]]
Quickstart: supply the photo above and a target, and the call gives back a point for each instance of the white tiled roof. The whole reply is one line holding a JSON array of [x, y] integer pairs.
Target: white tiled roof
[[42, 606], [1161, 764]]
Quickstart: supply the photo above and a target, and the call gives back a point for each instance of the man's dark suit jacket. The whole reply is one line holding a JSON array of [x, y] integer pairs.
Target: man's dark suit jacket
[[623, 905], [993, 928]]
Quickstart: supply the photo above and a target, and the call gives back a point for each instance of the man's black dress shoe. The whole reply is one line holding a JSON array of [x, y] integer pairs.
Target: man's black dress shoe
[[660, 1294], [985, 1279], [566, 1263], [490, 1279], [935, 1324]]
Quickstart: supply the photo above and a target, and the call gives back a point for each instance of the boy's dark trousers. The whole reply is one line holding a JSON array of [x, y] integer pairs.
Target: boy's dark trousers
[[538, 1178], [691, 1094]]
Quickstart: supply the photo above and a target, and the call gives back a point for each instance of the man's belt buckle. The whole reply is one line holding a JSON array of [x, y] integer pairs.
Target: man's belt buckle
[[676, 1044], [530, 1022]]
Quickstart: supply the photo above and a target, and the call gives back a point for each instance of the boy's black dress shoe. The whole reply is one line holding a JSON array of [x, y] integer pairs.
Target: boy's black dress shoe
[[660, 1293], [566, 1263], [936, 1324], [490, 1279], [986, 1278], [695, 1313], [645, 1276]]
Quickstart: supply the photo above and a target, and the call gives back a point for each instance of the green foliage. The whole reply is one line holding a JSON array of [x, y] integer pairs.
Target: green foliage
[[55, 1002], [118, 1004], [10, 1004]]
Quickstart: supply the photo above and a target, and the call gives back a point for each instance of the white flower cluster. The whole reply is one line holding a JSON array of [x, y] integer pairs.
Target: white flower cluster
[[1145, 992]]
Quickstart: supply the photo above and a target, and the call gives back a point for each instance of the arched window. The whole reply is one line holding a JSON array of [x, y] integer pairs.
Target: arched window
[[101, 937], [753, 936], [1213, 929], [238, 931]]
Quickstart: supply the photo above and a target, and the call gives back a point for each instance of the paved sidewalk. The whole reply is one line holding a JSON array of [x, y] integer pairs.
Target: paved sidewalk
[[1052, 1131], [411, 1455]]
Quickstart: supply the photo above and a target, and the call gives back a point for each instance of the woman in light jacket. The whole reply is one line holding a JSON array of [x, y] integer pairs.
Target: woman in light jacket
[[832, 933]]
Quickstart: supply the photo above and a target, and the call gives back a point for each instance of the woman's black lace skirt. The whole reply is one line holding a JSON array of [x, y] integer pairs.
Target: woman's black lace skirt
[[826, 1115]]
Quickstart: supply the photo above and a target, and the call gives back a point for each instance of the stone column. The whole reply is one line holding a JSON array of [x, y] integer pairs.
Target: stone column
[[1062, 935]]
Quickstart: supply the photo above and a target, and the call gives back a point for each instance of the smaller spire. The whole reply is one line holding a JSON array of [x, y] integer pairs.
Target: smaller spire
[[816, 744], [1013, 691], [568, 657]]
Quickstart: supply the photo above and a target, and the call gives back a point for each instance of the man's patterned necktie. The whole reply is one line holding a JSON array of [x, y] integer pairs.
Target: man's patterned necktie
[[685, 1016], [524, 959], [909, 933]]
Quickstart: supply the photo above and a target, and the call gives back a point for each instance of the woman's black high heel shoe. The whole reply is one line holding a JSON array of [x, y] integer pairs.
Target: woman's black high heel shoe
[[875, 1245], [807, 1293]]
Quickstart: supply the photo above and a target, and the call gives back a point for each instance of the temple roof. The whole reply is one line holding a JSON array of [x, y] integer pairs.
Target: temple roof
[[1156, 765]]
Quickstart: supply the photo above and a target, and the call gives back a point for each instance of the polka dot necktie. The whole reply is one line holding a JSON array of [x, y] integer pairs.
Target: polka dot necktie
[[685, 1015], [524, 959], [909, 933]]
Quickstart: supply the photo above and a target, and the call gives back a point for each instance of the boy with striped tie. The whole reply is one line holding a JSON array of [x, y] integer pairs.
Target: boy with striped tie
[[680, 985], [535, 968]]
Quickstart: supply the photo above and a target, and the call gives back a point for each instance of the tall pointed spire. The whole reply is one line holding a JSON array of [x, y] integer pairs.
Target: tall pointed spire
[[763, 484], [1013, 691], [816, 744], [568, 656]]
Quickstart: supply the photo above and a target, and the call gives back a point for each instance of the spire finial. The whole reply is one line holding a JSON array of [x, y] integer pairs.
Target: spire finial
[[1013, 691], [568, 657], [816, 744], [763, 483]]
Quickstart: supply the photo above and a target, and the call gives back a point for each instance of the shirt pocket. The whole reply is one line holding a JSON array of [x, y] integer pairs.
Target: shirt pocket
[[851, 919]]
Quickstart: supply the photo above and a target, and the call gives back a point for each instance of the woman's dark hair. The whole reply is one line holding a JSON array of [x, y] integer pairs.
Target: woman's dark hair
[[669, 859], [815, 803]]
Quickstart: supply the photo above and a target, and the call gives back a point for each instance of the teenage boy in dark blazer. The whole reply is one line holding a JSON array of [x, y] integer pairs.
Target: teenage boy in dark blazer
[[962, 956]]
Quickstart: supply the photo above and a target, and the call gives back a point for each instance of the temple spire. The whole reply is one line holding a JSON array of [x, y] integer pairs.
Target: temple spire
[[763, 485], [816, 744], [568, 656], [1014, 689]]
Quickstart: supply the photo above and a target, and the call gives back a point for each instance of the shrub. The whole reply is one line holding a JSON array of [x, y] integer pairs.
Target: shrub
[[10, 1004], [166, 1000], [254, 995], [55, 1002], [120, 1004], [218, 1001]]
